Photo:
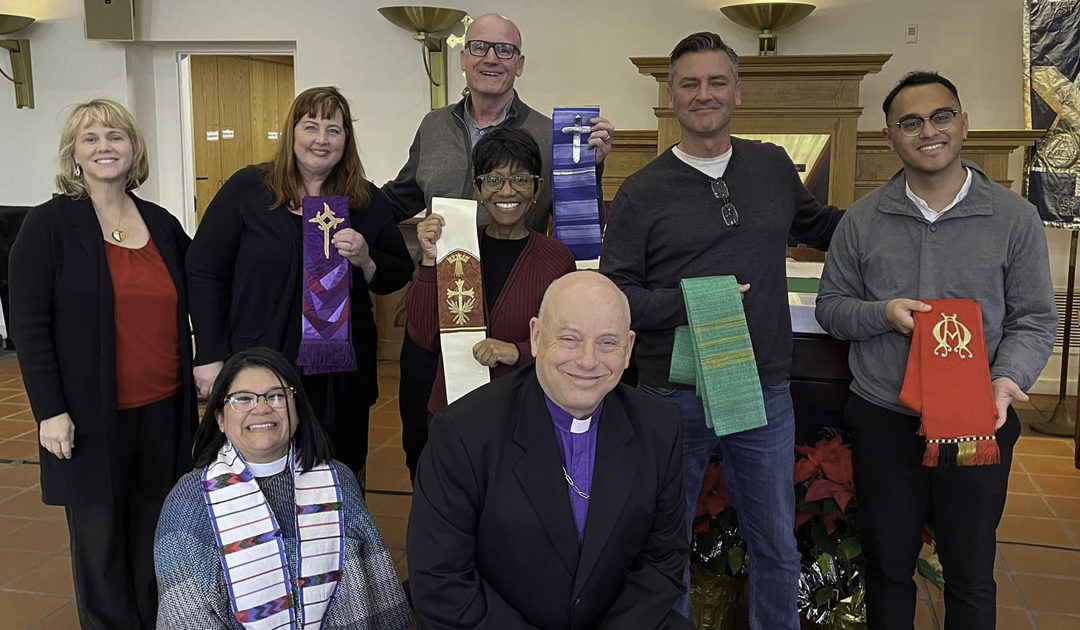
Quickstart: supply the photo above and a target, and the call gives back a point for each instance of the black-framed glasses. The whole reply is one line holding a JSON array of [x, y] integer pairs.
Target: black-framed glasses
[[727, 209], [493, 183], [942, 120], [244, 401], [503, 50]]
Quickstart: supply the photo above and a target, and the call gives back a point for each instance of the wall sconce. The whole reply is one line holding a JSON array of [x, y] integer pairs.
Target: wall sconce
[[22, 76], [766, 17], [426, 22]]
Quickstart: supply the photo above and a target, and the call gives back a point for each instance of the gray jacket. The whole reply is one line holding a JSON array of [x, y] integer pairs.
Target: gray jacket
[[990, 247], [440, 163]]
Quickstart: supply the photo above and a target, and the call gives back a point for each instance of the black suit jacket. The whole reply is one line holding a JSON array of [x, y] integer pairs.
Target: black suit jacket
[[62, 321], [492, 541]]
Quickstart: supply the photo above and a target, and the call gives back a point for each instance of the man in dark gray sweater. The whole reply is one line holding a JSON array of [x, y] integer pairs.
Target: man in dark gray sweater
[[440, 165], [717, 205], [940, 228]]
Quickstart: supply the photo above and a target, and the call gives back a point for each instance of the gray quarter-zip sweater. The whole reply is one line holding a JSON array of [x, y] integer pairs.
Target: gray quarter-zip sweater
[[990, 247]]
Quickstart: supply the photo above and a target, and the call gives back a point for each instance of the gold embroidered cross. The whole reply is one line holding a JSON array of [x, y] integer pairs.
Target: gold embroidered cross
[[326, 220], [460, 307], [457, 258]]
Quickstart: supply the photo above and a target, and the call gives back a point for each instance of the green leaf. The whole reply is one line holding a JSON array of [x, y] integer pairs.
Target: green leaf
[[850, 548], [930, 572], [736, 556], [825, 562], [823, 596]]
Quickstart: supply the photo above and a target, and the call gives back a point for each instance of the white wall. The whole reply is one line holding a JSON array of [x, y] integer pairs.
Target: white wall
[[67, 69], [576, 53]]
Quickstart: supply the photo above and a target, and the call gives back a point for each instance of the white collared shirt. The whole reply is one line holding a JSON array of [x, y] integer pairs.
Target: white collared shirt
[[924, 207]]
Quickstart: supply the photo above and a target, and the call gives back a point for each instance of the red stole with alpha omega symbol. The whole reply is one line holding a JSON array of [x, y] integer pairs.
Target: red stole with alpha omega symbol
[[948, 382]]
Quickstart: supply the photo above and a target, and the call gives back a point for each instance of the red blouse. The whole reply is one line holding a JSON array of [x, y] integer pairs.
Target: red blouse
[[147, 340]]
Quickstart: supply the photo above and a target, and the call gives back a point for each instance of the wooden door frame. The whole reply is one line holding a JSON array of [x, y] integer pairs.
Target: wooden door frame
[[183, 60]]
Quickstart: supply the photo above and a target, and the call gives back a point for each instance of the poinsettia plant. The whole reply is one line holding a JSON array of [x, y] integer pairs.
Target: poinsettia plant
[[826, 529], [717, 543]]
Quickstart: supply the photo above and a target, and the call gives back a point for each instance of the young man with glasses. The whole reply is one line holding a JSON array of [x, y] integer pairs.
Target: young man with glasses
[[940, 228], [439, 166], [718, 205]]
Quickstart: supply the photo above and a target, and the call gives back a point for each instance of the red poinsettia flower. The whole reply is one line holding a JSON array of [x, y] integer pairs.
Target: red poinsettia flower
[[713, 497]]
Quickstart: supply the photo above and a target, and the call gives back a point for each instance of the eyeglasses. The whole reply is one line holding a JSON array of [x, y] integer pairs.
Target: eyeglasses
[[727, 210], [243, 402], [493, 183], [503, 50], [942, 120]]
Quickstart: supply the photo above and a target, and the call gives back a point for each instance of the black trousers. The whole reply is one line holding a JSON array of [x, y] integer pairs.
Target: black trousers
[[112, 546], [896, 495], [343, 414], [418, 368]]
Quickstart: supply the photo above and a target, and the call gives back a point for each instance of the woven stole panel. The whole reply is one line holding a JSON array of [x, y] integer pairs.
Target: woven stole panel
[[461, 296], [947, 381], [714, 353], [573, 185], [326, 336]]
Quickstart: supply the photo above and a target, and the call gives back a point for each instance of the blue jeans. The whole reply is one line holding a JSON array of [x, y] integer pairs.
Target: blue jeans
[[758, 469]]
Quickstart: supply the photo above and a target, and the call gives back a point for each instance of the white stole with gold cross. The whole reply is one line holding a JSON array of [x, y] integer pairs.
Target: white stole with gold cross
[[460, 296]]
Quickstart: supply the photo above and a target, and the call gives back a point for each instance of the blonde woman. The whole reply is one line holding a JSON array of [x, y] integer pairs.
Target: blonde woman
[[99, 315]]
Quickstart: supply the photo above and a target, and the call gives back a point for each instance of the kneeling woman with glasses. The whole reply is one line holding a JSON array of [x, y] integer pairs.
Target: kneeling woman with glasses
[[518, 264], [268, 531]]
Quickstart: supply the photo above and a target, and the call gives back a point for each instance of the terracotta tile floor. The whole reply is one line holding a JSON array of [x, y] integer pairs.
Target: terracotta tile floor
[[1038, 542]]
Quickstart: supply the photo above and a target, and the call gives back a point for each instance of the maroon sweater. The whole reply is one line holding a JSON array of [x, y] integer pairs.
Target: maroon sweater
[[542, 261]]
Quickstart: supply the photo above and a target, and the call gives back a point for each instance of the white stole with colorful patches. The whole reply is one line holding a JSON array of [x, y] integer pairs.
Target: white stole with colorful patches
[[252, 552]]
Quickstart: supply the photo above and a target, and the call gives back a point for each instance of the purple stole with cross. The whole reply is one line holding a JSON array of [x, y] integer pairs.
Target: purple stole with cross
[[326, 334]]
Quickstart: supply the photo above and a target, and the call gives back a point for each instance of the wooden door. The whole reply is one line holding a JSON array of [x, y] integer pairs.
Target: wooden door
[[238, 106]]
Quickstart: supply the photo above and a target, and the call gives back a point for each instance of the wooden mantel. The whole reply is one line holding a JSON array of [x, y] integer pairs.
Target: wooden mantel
[[788, 94]]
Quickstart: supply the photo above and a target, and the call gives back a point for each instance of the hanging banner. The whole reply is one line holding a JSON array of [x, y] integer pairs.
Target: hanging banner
[[1052, 102]]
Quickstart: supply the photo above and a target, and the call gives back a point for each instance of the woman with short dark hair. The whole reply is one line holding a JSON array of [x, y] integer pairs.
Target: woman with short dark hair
[[517, 263]]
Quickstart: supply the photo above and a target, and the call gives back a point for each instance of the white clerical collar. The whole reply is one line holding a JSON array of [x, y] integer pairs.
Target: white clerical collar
[[712, 166], [580, 426], [268, 469], [924, 207]]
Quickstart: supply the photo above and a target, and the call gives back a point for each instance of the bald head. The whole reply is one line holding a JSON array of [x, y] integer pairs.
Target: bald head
[[493, 22], [587, 286], [581, 340]]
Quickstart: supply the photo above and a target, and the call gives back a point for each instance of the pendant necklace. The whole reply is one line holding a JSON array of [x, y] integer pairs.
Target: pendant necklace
[[118, 235]]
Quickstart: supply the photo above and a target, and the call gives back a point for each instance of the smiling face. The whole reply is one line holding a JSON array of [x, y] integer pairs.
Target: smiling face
[[704, 92], [509, 205], [262, 434], [104, 153], [318, 144], [930, 151], [581, 345], [489, 76]]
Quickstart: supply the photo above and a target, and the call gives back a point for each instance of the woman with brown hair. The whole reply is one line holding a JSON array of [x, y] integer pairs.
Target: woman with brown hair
[[99, 312], [246, 265]]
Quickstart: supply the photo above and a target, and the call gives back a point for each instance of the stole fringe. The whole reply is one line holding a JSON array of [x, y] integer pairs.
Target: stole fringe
[[980, 452], [322, 356]]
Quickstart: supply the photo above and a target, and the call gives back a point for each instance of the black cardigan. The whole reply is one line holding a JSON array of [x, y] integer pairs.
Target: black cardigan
[[245, 272], [62, 321]]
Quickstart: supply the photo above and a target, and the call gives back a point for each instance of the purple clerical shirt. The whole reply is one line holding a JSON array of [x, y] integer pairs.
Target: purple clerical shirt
[[577, 442]]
